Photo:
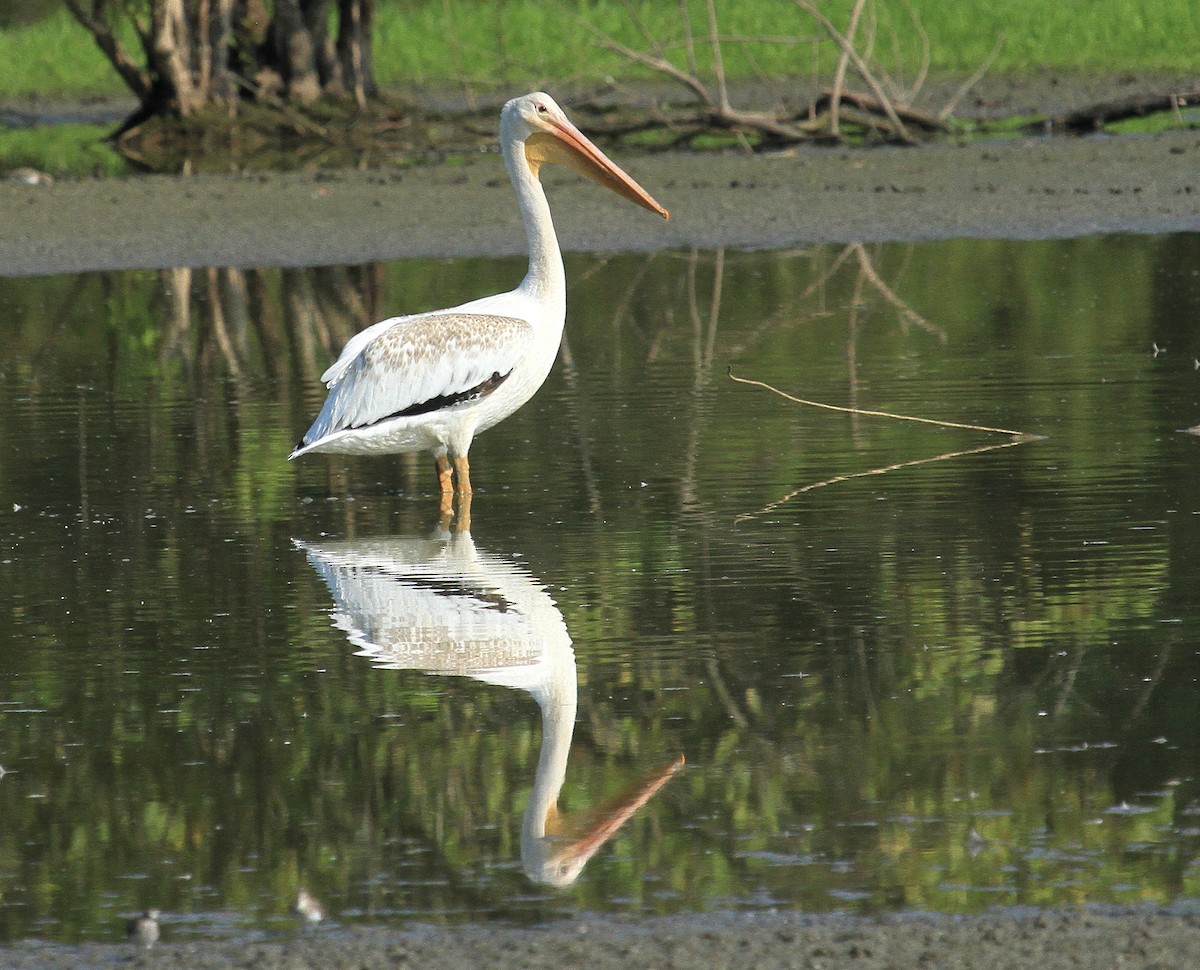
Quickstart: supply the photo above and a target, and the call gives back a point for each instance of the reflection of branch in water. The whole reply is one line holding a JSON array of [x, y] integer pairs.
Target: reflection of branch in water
[[704, 338], [726, 698], [867, 273], [177, 283], [216, 309], [787, 315], [867, 269], [577, 408], [1018, 438], [1068, 682], [1152, 683], [813, 486]]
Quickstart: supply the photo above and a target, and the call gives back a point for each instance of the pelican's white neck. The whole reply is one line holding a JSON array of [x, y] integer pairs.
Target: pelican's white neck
[[546, 281]]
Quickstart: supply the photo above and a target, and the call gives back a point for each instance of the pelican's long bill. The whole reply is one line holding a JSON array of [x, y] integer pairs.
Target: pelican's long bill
[[572, 857], [567, 145]]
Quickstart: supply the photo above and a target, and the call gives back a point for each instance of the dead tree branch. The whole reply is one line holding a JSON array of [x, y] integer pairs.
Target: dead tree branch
[[1096, 116], [860, 67]]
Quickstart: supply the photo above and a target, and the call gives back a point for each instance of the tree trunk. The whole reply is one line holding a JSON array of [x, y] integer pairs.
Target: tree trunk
[[354, 48], [295, 52], [209, 52]]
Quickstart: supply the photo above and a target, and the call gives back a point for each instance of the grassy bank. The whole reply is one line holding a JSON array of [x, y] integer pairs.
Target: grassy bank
[[527, 42]]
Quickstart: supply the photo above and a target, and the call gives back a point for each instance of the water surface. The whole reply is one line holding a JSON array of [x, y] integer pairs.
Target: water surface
[[900, 681]]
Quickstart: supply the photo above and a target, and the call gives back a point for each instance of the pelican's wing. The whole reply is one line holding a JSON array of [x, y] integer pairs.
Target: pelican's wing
[[414, 365]]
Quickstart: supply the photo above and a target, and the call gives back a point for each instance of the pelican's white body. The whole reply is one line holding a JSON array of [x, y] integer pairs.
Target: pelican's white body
[[405, 361]]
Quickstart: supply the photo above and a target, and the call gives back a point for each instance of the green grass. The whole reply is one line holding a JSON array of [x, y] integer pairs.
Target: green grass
[[505, 44], [520, 43], [55, 57]]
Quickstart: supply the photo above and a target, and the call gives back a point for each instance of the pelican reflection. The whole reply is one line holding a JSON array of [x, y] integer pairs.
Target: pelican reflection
[[443, 606]]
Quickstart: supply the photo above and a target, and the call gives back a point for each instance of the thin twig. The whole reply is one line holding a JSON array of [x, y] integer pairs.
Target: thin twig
[[839, 75], [689, 42], [860, 67], [881, 414], [714, 38], [974, 79], [923, 71], [659, 64]]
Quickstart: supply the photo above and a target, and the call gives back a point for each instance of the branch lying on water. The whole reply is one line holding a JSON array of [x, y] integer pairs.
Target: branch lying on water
[[1018, 438], [883, 414]]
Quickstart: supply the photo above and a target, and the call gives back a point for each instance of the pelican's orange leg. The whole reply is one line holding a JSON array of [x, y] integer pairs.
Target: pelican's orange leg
[[462, 471], [463, 523], [446, 483]]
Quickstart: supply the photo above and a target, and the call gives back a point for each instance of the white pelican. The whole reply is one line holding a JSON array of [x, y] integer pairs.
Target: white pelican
[[441, 606], [431, 381]]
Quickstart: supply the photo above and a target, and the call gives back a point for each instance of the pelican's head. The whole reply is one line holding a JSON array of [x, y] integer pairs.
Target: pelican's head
[[548, 136], [557, 857]]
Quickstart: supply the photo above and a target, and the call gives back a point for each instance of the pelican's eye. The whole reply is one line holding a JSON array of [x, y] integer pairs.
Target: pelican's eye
[[542, 109]]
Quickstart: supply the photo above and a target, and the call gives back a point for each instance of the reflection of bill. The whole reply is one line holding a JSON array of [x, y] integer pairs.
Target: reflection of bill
[[442, 606]]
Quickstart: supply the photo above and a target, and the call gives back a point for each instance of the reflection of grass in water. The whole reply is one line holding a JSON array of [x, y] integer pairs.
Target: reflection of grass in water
[[75, 149]]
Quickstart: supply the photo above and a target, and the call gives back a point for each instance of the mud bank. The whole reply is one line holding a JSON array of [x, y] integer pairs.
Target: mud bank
[[1048, 941], [1024, 188]]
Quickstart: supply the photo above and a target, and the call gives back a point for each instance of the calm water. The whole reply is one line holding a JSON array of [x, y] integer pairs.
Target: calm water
[[949, 685]]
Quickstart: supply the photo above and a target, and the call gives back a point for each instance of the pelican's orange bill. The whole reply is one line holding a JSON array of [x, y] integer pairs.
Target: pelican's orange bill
[[569, 146]]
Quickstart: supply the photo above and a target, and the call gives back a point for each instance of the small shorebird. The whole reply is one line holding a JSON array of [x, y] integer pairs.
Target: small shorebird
[[143, 929], [29, 176], [308, 907], [432, 381]]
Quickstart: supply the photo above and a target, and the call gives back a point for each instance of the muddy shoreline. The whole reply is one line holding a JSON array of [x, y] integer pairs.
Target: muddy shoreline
[[1024, 188], [1054, 940]]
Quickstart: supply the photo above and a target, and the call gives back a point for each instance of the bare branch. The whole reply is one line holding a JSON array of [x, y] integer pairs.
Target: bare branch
[[860, 67], [659, 64], [974, 79], [839, 75], [137, 80], [866, 103], [714, 39], [923, 72]]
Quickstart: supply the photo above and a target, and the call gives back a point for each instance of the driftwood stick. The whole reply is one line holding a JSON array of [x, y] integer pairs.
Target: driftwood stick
[[1098, 115], [881, 414], [867, 103]]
